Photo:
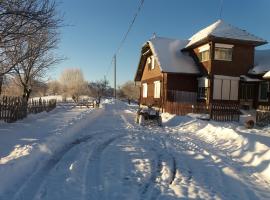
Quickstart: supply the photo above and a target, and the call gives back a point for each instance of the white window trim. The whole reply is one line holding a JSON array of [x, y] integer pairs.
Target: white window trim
[[152, 62], [145, 90], [205, 47], [225, 46], [263, 100], [157, 89]]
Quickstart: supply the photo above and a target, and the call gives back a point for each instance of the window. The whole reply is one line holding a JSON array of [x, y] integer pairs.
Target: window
[[204, 52], [225, 88], [144, 90], [203, 84], [204, 56], [202, 93], [151, 63], [263, 96], [223, 52], [247, 91], [157, 89]]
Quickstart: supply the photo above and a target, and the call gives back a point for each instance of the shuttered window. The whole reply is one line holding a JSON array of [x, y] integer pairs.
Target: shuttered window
[[225, 88], [144, 90], [157, 89]]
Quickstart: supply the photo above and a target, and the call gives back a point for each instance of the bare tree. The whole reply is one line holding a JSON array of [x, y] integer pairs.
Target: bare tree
[[54, 88], [130, 90], [34, 68], [73, 83], [21, 20], [99, 89]]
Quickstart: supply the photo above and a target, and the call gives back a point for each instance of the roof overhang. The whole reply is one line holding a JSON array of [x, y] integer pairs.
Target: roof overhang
[[145, 52], [245, 78], [212, 38]]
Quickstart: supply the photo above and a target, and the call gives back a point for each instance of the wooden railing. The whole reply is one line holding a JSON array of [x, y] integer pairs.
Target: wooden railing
[[263, 115], [16, 108]]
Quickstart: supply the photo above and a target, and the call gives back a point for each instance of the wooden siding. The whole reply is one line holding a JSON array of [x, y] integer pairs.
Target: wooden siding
[[206, 64], [150, 100], [242, 61], [182, 82], [149, 73]]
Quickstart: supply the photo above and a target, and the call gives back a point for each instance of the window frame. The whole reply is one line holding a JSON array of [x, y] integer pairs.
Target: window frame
[[157, 89], [260, 92], [144, 90], [224, 48]]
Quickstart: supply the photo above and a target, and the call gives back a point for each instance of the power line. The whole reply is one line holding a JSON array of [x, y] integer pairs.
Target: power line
[[129, 28], [125, 35]]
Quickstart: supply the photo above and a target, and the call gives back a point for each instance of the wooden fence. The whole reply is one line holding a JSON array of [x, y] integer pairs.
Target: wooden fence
[[216, 111], [263, 115], [225, 112], [185, 108], [16, 108]]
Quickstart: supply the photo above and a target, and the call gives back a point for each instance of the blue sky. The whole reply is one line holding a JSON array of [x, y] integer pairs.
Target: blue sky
[[96, 27]]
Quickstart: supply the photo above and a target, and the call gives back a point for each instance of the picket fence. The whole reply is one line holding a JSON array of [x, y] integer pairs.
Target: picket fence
[[17, 108]]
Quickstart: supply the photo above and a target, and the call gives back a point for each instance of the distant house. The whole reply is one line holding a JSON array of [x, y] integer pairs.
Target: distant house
[[217, 64]]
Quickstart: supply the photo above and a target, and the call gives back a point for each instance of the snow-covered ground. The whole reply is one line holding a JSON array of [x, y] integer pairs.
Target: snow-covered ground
[[73, 153]]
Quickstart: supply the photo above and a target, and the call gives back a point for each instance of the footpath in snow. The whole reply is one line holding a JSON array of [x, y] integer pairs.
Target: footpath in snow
[[73, 153]]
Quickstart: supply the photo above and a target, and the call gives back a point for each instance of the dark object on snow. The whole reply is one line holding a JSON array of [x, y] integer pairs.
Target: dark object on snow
[[147, 116], [249, 124]]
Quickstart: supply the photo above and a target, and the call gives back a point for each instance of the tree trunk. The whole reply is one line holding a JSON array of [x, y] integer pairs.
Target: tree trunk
[[1, 83], [26, 93]]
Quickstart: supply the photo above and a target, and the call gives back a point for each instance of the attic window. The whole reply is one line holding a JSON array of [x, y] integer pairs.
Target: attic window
[[223, 52], [204, 52], [151, 63]]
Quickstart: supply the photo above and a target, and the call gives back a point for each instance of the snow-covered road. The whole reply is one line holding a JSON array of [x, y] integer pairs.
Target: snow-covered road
[[107, 156]]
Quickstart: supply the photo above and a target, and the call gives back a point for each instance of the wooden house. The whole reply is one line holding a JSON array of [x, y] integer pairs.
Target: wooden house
[[217, 64]]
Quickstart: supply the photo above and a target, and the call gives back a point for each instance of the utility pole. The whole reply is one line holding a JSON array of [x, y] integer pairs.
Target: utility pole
[[115, 76]]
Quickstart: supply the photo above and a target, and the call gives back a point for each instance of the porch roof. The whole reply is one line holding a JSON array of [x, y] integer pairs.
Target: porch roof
[[248, 79], [261, 62]]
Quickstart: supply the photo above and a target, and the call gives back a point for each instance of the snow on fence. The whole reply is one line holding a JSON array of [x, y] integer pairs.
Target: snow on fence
[[217, 111], [263, 115], [16, 108]]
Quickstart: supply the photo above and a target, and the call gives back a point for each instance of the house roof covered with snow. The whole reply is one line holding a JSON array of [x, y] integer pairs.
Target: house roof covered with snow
[[261, 62], [221, 29], [170, 57]]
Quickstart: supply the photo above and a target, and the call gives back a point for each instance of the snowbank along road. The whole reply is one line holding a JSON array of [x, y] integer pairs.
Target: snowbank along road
[[103, 154]]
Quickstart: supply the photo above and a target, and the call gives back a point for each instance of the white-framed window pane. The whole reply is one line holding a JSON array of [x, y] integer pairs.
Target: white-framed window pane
[[226, 85], [217, 89], [144, 90], [223, 54], [157, 89], [204, 55], [263, 91]]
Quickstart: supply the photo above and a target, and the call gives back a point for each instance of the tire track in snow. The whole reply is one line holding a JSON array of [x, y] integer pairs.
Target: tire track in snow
[[31, 186], [92, 166], [164, 171]]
